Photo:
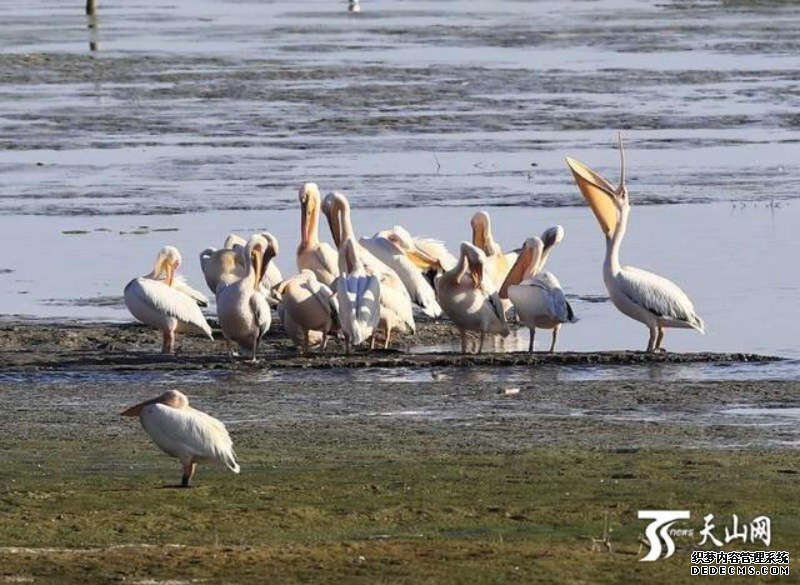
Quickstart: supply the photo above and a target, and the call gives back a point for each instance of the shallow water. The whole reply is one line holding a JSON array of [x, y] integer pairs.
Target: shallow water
[[198, 118]]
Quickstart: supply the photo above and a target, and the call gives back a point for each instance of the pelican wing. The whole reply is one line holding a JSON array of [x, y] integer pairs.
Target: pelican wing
[[419, 289], [497, 306], [189, 434], [181, 284], [359, 305], [397, 301], [555, 301], [660, 296], [261, 313], [152, 302], [438, 250], [323, 261]]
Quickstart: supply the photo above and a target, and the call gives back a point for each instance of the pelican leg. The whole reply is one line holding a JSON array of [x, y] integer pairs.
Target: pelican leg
[[255, 350], [659, 339], [324, 343], [188, 473], [651, 344], [305, 341], [555, 338], [346, 345], [168, 344], [531, 339], [480, 345], [388, 337], [463, 342], [372, 342]]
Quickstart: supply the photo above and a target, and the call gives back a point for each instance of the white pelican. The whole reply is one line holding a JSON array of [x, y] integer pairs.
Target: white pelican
[[537, 296], [409, 258], [359, 297], [227, 266], [497, 263], [643, 296], [187, 434], [166, 304], [312, 254], [308, 305], [396, 307], [470, 300], [243, 312]]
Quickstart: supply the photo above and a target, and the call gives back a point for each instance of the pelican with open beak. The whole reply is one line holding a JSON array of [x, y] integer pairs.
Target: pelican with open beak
[[243, 311], [187, 434], [164, 301], [318, 257], [643, 296], [537, 296], [469, 300]]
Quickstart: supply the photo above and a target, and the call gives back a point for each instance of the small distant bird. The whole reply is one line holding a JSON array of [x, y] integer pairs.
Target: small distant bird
[[187, 434], [166, 302]]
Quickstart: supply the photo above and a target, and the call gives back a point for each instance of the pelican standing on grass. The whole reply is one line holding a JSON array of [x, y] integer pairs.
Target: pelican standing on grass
[[469, 300], [313, 255], [187, 434], [396, 310], [537, 296], [165, 302], [243, 312], [643, 296]]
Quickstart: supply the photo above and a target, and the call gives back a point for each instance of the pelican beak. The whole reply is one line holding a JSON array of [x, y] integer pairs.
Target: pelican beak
[[422, 260], [335, 224], [517, 272], [599, 194], [137, 410], [256, 258], [478, 233], [304, 222], [476, 272], [170, 273]]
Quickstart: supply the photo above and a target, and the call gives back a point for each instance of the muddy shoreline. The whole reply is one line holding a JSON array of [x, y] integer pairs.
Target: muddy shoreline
[[79, 346]]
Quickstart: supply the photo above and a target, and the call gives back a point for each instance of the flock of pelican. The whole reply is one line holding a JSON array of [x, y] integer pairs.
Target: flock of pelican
[[364, 289]]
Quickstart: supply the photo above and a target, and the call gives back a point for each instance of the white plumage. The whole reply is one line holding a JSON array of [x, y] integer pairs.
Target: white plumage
[[163, 302], [243, 311], [641, 295], [185, 433], [469, 300], [308, 307], [392, 247], [359, 298], [319, 257], [396, 310]]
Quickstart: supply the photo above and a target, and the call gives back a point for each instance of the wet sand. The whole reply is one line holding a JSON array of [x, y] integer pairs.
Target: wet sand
[[73, 346]]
